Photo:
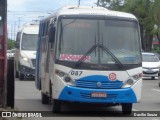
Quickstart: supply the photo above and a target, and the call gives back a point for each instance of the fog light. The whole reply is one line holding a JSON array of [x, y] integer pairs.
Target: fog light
[[61, 74], [130, 82], [67, 79], [136, 77]]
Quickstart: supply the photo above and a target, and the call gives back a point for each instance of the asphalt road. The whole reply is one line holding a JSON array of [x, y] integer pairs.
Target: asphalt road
[[28, 98]]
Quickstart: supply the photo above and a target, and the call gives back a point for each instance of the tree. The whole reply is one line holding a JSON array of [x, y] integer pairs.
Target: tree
[[10, 44], [143, 10], [156, 16], [112, 4]]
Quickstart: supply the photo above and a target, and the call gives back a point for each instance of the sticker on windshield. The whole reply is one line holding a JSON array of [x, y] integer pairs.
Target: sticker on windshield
[[70, 57], [130, 59]]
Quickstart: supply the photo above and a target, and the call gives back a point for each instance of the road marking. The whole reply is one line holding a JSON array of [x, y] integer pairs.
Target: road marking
[[20, 98], [156, 90], [133, 109]]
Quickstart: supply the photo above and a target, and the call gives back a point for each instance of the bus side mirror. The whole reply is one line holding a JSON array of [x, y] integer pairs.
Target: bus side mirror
[[51, 34]]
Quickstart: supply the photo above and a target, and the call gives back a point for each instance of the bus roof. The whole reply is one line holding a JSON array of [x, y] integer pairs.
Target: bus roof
[[87, 10], [30, 28]]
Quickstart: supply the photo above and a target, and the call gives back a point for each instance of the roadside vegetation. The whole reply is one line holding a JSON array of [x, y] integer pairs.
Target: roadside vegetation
[[10, 44], [147, 12]]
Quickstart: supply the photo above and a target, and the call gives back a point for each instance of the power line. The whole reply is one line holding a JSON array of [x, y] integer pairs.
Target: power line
[[29, 11]]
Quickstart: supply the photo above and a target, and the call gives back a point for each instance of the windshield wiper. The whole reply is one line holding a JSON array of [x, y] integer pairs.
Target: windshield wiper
[[79, 62], [112, 55]]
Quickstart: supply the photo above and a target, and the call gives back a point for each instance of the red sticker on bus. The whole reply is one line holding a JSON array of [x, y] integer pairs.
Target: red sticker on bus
[[70, 57], [112, 76]]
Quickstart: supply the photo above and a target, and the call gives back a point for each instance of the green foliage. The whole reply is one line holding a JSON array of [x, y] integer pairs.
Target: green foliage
[[142, 9], [10, 44], [156, 17], [147, 12], [156, 49], [112, 4]]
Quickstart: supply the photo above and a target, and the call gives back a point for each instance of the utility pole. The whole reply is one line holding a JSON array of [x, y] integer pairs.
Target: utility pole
[[11, 31], [97, 2], [3, 64], [79, 2], [14, 31], [19, 23]]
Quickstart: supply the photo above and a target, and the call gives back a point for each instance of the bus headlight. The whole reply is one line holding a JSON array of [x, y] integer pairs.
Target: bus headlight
[[65, 77], [25, 58], [61, 74], [129, 81], [132, 80]]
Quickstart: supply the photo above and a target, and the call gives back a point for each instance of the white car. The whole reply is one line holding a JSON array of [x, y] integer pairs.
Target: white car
[[10, 53], [150, 65]]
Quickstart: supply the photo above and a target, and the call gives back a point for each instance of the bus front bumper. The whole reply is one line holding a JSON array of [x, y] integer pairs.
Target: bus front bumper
[[75, 94]]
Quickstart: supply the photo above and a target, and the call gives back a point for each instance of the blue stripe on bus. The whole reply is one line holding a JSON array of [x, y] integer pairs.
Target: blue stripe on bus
[[75, 94], [96, 78], [105, 83]]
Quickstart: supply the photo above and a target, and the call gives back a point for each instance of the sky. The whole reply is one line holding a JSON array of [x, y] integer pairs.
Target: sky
[[23, 11]]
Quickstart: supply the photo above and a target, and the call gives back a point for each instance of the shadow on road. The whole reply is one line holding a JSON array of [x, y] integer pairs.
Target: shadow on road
[[148, 78]]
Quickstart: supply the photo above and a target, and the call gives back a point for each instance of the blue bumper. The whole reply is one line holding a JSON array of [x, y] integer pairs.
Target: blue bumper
[[75, 94]]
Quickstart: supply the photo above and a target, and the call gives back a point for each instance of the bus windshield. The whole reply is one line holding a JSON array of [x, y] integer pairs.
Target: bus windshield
[[119, 37], [29, 41]]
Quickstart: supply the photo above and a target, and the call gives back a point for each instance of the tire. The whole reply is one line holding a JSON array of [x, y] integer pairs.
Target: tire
[[56, 106], [127, 108], [152, 78], [21, 76], [44, 98]]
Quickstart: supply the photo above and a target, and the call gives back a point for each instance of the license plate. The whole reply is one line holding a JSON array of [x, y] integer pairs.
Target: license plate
[[150, 71], [99, 94]]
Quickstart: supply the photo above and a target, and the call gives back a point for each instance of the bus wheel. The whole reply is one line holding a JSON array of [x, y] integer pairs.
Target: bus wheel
[[21, 76], [127, 108], [44, 98], [56, 106]]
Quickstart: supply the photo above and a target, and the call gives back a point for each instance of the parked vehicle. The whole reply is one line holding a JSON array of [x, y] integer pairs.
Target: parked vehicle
[[10, 53], [158, 55], [150, 65], [25, 53]]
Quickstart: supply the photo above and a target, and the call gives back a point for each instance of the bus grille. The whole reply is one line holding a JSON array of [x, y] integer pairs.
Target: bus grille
[[93, 84], [33, 62]]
